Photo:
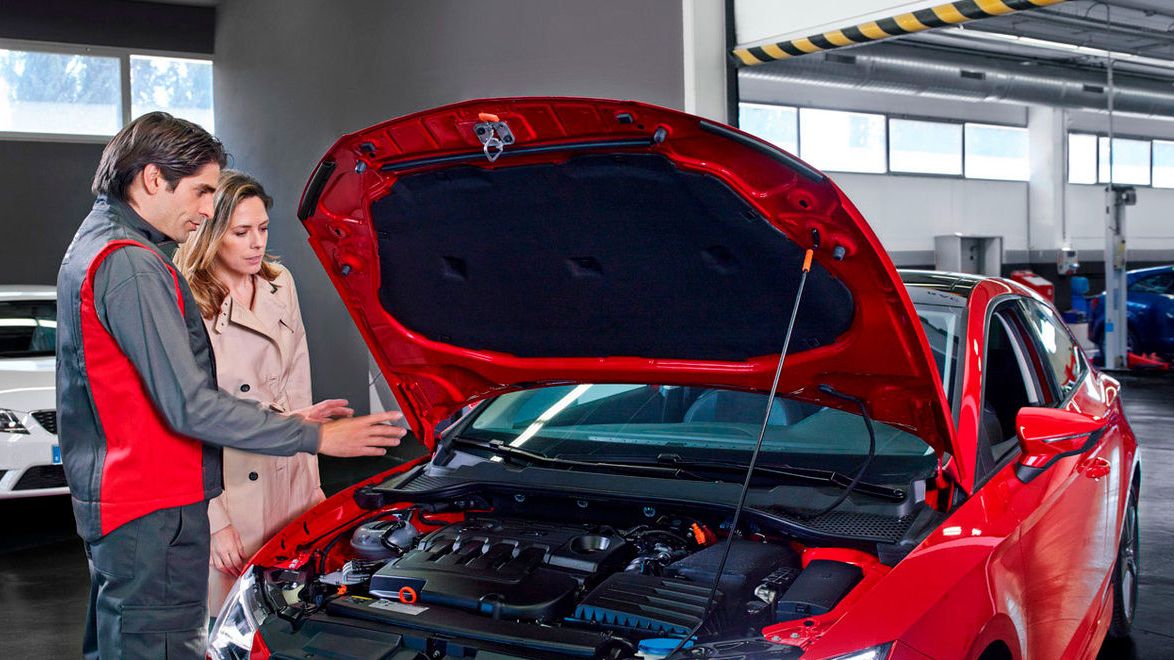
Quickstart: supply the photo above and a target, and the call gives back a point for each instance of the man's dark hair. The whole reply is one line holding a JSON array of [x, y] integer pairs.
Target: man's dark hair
[[177, 147]]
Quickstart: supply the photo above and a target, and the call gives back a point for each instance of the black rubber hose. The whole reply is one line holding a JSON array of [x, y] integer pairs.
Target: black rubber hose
[[827, 389]]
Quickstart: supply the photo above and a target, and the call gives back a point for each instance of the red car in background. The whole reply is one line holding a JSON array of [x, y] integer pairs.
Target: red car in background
[[942, 474]]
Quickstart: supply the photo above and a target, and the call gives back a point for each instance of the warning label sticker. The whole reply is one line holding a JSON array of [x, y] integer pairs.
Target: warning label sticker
[[396, 606]]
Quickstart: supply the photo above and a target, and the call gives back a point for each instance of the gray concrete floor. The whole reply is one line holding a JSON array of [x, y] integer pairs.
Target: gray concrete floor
[[1149, 406], [44, 583]]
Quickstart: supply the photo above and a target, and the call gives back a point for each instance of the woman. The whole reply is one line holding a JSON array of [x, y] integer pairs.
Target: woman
[[250, 308]]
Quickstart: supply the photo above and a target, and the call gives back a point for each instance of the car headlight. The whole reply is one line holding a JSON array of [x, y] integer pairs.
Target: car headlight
[[244, 611], [879, 652], [10, 422]]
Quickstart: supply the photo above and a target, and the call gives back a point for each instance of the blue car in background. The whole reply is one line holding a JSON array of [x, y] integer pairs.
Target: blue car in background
[[1150, 308]]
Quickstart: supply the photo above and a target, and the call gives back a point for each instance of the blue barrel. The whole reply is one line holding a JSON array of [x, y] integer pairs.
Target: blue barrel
[[1079, 291]]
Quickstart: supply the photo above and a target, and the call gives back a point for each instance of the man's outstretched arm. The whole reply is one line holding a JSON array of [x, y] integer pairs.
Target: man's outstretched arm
[[137, 303]]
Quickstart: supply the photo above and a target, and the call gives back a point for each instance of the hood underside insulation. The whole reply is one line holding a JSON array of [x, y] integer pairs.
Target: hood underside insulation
[[600, 255]]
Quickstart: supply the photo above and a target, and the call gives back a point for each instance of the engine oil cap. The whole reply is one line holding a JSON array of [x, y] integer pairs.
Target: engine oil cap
[[659, 647]]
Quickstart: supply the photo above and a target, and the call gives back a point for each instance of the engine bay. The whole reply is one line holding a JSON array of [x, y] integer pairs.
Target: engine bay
[[547, 584]]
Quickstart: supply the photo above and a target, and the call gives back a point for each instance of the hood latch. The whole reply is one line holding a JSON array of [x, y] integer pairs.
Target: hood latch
[[494, 135]]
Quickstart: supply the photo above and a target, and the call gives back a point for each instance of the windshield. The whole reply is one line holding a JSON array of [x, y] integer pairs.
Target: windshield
[[667, 423], [28, 328]]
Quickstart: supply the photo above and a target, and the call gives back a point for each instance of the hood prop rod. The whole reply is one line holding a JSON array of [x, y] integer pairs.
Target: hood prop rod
[[721, 566]]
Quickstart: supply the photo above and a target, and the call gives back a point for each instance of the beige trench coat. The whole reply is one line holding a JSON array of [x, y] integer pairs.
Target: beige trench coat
[[261, 355]]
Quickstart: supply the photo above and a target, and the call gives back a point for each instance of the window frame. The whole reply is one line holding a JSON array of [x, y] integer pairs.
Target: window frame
[[1027, 130], [1153, 143], [1097, 164], [885, 142], [1096, 158], [122, 54], [960, 123], [798, 136], [1150, 152], [799, 107], [1016, 330]]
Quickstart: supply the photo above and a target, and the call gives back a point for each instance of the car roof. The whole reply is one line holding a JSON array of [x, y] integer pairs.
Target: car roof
[[958, 284], [27, 292]]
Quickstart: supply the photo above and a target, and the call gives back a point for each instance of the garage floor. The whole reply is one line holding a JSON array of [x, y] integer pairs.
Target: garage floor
[[44, 583]]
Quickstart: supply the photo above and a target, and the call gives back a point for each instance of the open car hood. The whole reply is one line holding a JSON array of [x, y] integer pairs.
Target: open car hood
[[608, 241]]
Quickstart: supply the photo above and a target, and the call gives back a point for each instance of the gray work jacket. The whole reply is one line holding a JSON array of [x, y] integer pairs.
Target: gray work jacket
[[134, 295]]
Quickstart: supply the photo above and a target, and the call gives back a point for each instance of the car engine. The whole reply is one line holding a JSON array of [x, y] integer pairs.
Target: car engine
[[622, 584], [511, 569]]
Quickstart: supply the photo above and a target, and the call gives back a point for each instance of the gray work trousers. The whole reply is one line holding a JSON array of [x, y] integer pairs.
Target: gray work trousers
[[149, 588]]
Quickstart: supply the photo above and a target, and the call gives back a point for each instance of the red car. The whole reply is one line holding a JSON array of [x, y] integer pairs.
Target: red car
[[941, 475]]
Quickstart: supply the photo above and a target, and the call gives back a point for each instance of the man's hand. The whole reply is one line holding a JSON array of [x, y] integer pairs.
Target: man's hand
[[360, 436], [228, 553], [324, 411]]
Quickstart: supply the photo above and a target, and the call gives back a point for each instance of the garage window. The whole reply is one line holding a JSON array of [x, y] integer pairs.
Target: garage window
[[925, 147], [996, 152], [180, 86], [59, 93], [776, 124], [1163, 164], [1131, 161], [1082, 158], [842, 141], [50, 91]]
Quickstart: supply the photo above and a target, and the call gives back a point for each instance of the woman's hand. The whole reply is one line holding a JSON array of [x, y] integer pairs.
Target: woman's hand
[[324, 411], [228, 553]]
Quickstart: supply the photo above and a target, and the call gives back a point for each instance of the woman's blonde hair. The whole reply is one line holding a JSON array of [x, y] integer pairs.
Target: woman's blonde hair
[[197, 256]]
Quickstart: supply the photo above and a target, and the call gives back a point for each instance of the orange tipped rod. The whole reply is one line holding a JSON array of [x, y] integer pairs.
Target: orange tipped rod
[[807, 260], [487, 116]]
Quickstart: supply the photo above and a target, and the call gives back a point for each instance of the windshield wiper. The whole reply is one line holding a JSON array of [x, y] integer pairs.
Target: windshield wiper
[[672, 465], [531, 458], [789, 471], [786, 471]]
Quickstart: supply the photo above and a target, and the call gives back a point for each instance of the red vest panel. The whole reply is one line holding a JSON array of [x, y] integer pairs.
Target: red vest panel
[[148, 466]]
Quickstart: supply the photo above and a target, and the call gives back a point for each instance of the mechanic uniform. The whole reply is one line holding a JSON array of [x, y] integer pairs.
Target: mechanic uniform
[[262, 356], [141, 425]]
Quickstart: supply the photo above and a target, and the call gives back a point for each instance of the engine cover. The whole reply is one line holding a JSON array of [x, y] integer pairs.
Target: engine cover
[[515, 569]]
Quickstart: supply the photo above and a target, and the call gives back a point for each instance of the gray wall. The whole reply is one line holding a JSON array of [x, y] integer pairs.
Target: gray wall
[[46, 193], [125, 23], [294, 75]]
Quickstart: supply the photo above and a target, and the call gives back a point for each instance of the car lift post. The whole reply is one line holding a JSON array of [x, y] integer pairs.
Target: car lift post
[[1116, 321], [1116, 324]]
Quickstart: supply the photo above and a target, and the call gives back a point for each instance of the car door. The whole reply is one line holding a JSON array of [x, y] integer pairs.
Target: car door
[[1066, 539]]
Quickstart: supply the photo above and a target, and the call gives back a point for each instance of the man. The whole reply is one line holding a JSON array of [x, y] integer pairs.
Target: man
[[140, 418]]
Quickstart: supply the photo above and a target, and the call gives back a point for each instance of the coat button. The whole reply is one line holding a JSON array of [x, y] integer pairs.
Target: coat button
[[245, 387], [253, 476]]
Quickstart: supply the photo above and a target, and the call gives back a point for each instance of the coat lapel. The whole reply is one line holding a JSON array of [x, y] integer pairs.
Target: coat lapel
[[266, 317]]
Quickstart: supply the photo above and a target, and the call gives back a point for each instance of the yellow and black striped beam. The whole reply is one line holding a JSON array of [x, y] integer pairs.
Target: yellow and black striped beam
[[951, 13]]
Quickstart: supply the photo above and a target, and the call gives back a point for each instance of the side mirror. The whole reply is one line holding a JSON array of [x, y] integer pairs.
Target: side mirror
[[1048, 434]]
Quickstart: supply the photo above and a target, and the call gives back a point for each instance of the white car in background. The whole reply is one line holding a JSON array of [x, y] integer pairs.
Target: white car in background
[[30, 457]]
